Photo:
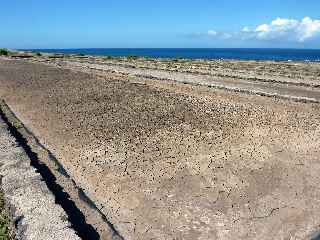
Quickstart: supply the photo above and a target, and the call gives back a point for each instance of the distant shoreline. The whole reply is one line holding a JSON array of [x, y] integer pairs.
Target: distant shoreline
[[246, 54]]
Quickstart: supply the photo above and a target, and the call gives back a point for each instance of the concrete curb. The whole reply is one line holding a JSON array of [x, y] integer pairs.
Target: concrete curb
[[31, 205]]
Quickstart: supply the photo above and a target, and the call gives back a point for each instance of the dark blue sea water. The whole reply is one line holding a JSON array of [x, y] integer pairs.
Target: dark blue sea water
[[201, 53]]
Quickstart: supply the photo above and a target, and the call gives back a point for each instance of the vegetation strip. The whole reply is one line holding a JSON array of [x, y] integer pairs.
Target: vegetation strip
[[4, 220]]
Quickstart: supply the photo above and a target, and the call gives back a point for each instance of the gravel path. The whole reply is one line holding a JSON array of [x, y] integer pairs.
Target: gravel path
[[31, 205]]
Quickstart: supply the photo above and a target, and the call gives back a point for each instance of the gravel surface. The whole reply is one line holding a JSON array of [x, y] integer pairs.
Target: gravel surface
[[31, 205], [270, 71], [165, 160], [299, 88]]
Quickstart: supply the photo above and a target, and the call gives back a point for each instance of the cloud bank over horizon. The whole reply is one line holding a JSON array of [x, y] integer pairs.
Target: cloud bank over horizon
[[279, 30]]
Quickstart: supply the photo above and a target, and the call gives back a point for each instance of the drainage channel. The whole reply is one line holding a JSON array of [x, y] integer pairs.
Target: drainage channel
[[85, 218]]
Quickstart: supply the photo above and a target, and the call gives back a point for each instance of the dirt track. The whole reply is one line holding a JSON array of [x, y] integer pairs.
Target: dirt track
[[173, 161]]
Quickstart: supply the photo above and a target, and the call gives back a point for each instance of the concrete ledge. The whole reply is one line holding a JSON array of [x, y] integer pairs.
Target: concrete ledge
[[31, 205]]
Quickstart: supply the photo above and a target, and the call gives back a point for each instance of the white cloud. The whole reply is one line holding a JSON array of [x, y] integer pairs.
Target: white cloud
[[263, 28], [280, 29], [309, 28], [289, 29], [212, 33], [245, 29], [226, 35]]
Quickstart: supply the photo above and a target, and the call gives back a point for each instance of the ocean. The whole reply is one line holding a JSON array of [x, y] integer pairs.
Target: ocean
[[200, 53]]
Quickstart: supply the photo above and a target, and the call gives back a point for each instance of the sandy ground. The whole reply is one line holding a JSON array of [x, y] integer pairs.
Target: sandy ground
[[166, 160]]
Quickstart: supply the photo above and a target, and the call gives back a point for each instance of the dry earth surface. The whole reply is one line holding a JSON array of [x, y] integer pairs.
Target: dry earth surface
[[302, 84], [165, 160]]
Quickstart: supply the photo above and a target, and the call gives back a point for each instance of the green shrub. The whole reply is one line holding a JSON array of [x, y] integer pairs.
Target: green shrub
[[57, 55], [177, 59], [4, 52], [38, 54], [132, 57], [108, 58]]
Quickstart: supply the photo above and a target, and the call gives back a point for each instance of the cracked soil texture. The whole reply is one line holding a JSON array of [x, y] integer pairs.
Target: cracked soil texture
[[166, 160]]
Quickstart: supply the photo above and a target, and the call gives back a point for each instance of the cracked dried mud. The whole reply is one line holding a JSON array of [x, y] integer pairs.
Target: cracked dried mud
[[166, 160]]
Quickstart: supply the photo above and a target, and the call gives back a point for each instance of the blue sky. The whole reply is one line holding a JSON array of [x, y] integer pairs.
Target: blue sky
[[166, 23]]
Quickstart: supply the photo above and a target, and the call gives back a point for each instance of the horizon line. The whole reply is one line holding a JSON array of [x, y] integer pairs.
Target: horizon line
[[79, 48]]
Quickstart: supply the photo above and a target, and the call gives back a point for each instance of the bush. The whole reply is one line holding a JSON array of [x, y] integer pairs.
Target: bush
[[4, 52], [108, 58], [132, 57], [177, 59], [57, 56], [38, 54]]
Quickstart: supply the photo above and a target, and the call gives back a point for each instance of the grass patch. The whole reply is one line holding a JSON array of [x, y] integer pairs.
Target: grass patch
[[4, 221]]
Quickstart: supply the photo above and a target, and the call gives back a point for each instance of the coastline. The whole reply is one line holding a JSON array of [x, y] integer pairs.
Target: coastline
[[233, 54]]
